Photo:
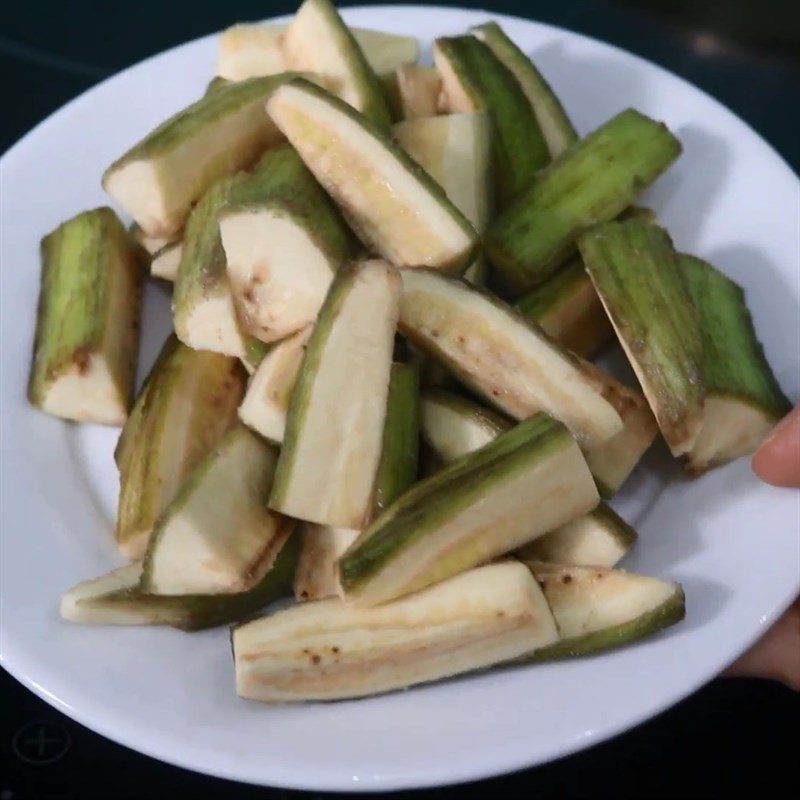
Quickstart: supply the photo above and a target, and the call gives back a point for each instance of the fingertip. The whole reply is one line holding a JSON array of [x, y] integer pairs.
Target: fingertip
[[777, 460], [764, 467]]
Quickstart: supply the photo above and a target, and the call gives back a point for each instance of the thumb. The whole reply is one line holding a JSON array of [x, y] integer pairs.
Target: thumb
[[776, 655], [777, 460]]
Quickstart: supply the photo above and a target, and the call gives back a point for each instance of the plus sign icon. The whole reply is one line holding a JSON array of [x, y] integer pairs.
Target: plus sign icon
[[40, 743]]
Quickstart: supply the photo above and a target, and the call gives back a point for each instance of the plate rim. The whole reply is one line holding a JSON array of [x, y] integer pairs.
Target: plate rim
[[467, 773]]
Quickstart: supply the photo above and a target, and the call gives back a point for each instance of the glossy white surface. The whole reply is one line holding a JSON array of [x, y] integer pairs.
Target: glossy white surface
[[731, 541]]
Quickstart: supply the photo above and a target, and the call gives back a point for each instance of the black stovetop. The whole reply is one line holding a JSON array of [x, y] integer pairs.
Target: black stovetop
[[733, 738]]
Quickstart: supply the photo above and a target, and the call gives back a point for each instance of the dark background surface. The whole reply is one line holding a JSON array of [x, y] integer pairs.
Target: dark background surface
[[734, 738], [744, 52]]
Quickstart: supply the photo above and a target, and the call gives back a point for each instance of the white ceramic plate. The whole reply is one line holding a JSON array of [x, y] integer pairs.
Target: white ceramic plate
[[731, 541]]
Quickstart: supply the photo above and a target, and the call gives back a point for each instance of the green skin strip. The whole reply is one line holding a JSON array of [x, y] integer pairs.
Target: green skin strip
[[733, 358], [391, 94], [557, 129], [519, 149], [301, 394], [255, 350], [196, 612], [421, 510], [637, 274], [217, 82], [369, 86], [591, 182], [668, 613], [203, 263], [141, 422], [78, 259], [570, 278], [282, 181], [215, 104], [130, 431], [397, 469]]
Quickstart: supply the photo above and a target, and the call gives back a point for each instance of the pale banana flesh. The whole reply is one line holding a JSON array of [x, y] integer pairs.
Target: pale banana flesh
[[326, 650]]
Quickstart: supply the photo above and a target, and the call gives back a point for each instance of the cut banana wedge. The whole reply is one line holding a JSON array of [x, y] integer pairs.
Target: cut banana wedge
[[328, 651]]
